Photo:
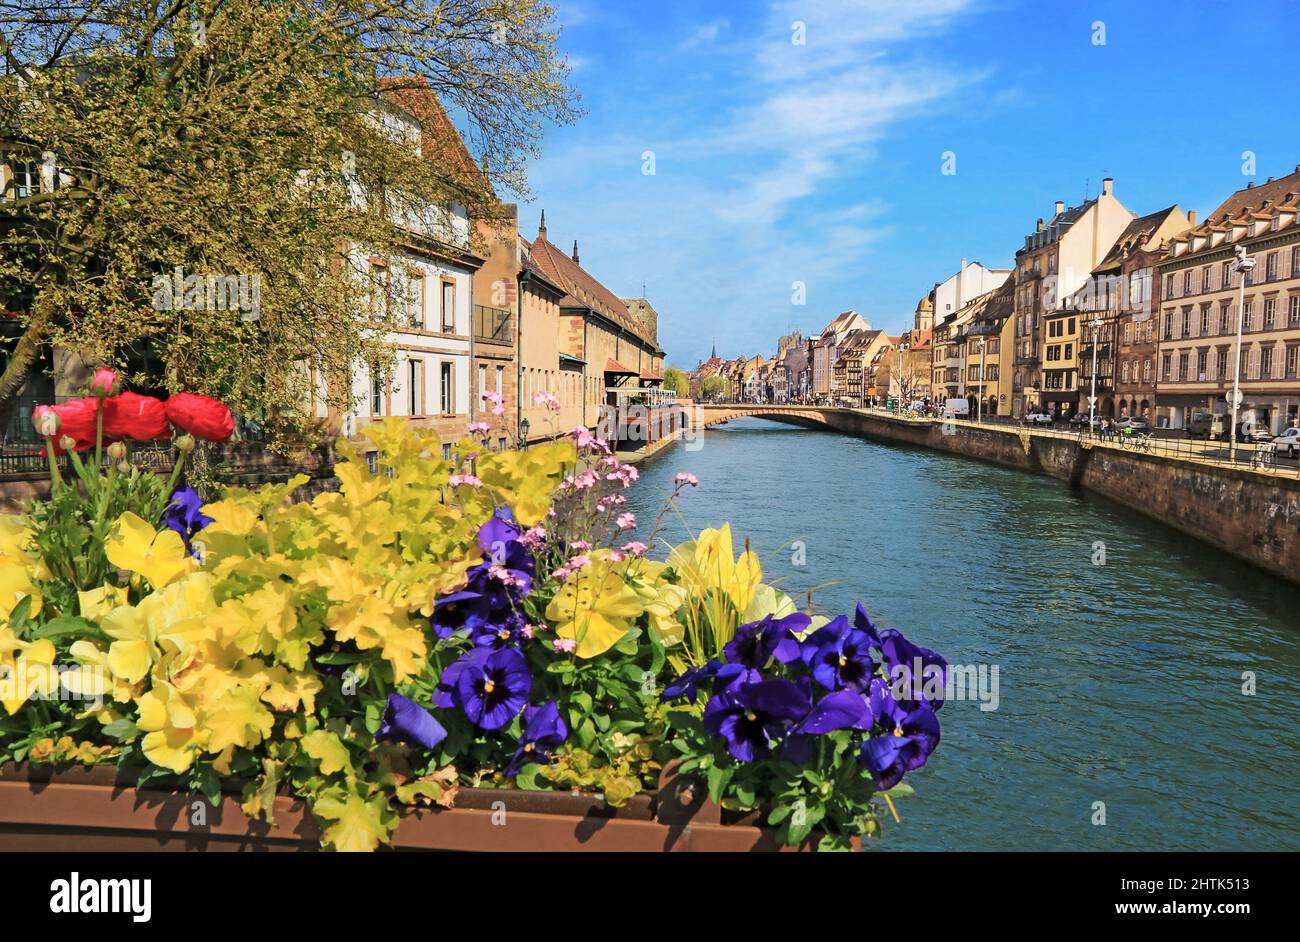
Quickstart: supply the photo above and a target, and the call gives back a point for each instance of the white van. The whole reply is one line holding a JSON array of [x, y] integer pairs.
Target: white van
[[957, 408]]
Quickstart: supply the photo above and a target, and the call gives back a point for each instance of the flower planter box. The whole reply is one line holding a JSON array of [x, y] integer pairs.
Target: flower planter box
[[76, 808]]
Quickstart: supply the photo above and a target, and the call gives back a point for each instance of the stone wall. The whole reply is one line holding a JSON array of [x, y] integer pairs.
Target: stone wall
[[1251, 515]]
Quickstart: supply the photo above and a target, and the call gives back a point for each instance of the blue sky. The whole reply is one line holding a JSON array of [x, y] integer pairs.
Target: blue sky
[[821, 163]]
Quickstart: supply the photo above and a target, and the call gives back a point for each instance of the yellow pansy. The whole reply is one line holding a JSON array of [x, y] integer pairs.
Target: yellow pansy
[[595, 607], [15, 585], [96, 603], [173, 736], [158, 556], [15, 538], [26, 669]]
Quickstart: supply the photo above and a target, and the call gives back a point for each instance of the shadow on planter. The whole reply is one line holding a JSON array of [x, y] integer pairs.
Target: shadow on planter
[[80, 808]]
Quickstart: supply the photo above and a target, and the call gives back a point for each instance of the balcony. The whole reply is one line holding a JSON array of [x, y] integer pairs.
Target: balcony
[[493, 325]]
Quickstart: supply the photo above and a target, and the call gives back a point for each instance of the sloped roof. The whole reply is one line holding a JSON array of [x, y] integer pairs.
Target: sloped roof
[[1135, 236], [440, 141], [583, 290], [1253, 197]]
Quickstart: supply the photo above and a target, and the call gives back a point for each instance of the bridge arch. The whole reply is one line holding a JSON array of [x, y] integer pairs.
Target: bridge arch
[[811, 416]]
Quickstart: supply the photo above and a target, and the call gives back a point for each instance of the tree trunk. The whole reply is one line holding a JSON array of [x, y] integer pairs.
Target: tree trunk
[[22, 361]]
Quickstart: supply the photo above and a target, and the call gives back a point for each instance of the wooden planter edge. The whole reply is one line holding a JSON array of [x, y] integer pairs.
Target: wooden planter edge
[[93, 808]]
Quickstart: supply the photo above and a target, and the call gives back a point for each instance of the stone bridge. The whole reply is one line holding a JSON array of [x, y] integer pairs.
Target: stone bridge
[[710, 414]]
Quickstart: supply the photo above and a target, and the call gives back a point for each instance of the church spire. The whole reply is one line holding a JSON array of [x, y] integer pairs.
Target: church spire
[[714, 354], [541, 227], [575, 252]]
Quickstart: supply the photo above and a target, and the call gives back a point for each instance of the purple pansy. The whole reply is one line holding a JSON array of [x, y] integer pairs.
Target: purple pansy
[[544, 730], [407, 721]]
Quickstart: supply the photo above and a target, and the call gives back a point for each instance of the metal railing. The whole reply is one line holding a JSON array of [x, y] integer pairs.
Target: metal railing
[[1261, 457], [20, 459], [493, 324]]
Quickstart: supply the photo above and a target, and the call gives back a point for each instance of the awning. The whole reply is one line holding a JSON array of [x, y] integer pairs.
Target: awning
[[613, 366], [655, 377]]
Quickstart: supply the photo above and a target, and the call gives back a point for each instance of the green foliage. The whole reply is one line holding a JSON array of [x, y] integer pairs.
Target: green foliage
[[251, 139]]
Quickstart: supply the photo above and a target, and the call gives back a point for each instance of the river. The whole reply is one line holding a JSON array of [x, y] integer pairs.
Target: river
[[1119, 683]]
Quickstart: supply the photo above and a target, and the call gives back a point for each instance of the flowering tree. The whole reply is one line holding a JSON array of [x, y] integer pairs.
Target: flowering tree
[[230, 140]]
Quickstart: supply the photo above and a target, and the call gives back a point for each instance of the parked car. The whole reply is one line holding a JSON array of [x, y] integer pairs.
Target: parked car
[[1037, 418], [1136, 425], [1080, 420], [1256, 434], [1288, 443]]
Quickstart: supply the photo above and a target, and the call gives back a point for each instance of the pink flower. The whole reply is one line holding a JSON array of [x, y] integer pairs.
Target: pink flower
[[683, 477], [104, 383], [528, 632], [548, 400], [627, 521], [46, 421], [561, 574], [578, 562], [636, 548], [534, 537], [467, 479], [580, 545], [502, 574], [498, 404], [615, 556], [476, 427], [565, 645]]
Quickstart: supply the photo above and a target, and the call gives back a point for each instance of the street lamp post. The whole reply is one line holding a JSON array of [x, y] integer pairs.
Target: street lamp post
[[523, 433], [1244, 264], [979, 403], [1092, 399]]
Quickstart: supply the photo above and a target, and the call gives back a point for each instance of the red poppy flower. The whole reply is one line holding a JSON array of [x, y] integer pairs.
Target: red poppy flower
[[201, 416], [77, 421], [130, 415]]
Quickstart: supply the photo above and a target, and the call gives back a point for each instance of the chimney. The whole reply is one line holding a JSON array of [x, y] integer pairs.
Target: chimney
[[1191, 217], [541, 226], [1040, 225], [1107, 186], [575, 251], [1060, 207]]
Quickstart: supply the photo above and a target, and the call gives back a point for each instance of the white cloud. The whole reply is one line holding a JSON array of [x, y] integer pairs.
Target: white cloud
[[705, 35], [745, 201]]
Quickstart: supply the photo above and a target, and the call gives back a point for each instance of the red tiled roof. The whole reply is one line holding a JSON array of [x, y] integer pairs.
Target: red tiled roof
[[440, 141], [613, 366], [645, 374], [1274, 191], [582, 290]]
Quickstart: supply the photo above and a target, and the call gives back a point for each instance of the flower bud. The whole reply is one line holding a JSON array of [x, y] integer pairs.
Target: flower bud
[[184, 443], [67, 443], [104, 383], [117, 451], [124, 467], [46, 420]]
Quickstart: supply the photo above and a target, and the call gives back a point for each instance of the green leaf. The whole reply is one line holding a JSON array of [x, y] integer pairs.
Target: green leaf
[[67, 625], [18, 617], [122, 730], [718, 777]]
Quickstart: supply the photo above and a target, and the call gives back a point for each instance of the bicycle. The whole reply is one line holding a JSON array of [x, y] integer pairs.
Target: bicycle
[[1263, 457], [1138, 441]]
